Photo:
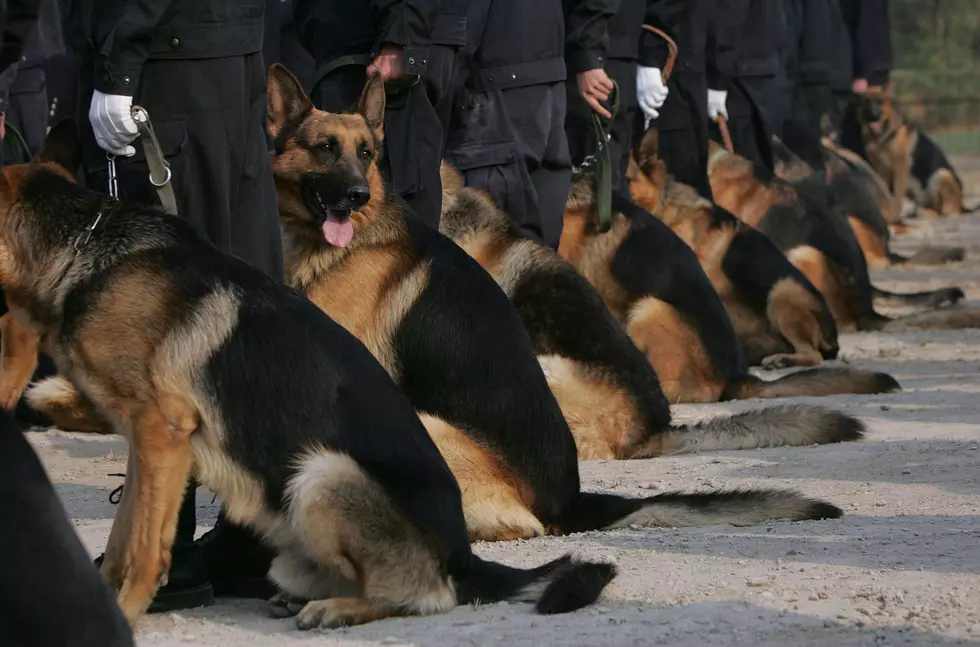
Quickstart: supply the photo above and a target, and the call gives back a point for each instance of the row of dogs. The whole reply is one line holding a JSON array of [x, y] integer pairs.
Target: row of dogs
[[411, 391]]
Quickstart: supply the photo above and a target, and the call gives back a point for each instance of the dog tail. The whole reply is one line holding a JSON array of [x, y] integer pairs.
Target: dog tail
[[69, 410], [599, 511], [933, 299], [816, 382], [930, 255], [786, 426], [559, 586], [949, 319]]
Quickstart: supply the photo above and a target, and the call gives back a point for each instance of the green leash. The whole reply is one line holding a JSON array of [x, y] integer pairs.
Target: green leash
[[603, 170]]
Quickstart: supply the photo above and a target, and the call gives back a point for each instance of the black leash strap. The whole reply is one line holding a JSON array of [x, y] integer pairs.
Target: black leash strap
[[332, 66], [603, 161]]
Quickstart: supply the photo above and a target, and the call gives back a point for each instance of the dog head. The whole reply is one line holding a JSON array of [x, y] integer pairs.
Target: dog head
[[19, 253], [326, 165], [874, 109]]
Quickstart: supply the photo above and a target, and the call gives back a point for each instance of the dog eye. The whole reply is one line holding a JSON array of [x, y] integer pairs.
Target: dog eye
[[326, 147], [365, 154]]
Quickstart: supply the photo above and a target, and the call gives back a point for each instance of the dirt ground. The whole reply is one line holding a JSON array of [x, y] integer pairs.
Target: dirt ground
[[901, 568]]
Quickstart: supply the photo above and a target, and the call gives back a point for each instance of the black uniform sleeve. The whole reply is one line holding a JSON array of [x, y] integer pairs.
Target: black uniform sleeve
[[869, 25], [587, 33], [665, 15], [20, 19], [408, 23], [119, 59], [726, 24]]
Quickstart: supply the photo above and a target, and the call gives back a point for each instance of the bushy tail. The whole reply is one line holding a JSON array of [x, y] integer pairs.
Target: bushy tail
[[595, 511], [817, 382], [786, 426], [66, 407], [931, 299], [950, 319], [931, 255], [559, 586]]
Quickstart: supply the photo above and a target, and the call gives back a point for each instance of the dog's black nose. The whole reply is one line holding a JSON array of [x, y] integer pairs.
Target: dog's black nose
[[359, 196]]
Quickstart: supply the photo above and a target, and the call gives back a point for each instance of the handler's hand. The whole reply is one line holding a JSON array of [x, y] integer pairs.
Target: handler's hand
[[859, 86], [390, 63], [651, 92], [595, 86], [112, 123]]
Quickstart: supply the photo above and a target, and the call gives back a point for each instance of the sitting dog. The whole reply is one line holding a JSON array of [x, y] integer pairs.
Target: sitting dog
[[607, 390], [911, 164], [449, 336], [211, 369]]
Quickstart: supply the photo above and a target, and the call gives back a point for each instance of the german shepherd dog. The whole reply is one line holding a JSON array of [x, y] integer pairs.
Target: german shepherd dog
[[818, 241], [449, 337], [607, 390], [653, 284], [780, 318], [861, 196], [211, 369], [905, 157], [52, 593]]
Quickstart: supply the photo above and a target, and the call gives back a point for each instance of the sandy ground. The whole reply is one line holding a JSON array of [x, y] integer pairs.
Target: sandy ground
[[901, 568]]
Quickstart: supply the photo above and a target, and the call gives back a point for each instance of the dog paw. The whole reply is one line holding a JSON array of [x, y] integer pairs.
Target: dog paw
[[284, 605], [774, 362], [319, 613]]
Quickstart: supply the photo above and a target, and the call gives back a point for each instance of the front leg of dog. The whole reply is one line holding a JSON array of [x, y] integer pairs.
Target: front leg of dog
[[18, 359], [114, 560], [162, 444]]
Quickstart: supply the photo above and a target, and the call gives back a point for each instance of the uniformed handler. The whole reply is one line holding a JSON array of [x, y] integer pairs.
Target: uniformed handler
[[507, 128]]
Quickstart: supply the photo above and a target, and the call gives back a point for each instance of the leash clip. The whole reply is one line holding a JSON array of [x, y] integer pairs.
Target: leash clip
[[113, 182], [79, 242]]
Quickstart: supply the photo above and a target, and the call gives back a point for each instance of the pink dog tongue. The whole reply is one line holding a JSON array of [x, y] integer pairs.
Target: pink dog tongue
[[338, 232]]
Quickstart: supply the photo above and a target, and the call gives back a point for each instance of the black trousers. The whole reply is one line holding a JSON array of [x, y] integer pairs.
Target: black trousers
[[801, 130], [683, 131], [512, 144], [210, 117], [414, 129], [28, 106], [751, 101], [581, 132]]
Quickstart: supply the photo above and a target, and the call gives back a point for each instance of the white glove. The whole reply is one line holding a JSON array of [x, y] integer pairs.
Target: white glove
[[716, 104], [651, 92], [112, 123]]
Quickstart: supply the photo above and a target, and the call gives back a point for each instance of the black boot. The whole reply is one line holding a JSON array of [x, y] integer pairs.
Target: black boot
[[237, 562]]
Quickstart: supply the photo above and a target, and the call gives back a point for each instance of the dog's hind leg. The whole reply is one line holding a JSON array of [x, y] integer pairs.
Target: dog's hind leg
[[794, 312], [18, 359], [348, 524], [816, 267], [160, 438], [301, 580], [674, 349], [493, 507]]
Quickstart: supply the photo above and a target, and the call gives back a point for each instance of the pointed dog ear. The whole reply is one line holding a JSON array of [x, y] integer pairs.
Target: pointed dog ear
[[286, 101], [371, 106], [62, 146]]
